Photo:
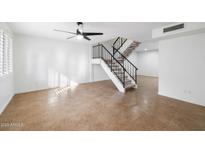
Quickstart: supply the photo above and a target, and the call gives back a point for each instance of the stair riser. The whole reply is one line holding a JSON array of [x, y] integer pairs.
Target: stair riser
[[118, 72], [115, 63], [126, 77], [117, 69]]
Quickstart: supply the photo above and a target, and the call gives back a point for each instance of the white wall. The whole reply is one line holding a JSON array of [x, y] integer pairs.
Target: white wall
[[44, 63], [182, 68], [149, 46], [98, 73], [6, 91], [147, 63], [6, 82], [108, 44]]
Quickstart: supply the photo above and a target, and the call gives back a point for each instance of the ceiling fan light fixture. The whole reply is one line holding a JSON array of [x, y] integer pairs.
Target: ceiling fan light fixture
[[79, 36], [80, 30]]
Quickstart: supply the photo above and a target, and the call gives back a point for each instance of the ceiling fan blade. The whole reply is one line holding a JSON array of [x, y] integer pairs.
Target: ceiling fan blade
[[87, 38], [90, 33], [79, 23], [64, 31], [70, 37]]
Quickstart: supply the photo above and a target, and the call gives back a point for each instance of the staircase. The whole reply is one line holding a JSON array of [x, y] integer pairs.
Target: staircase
[[129, 47], [119, 69], [119, 72]]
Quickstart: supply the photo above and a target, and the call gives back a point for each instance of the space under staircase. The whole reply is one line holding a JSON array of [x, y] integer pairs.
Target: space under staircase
[[119, 69]]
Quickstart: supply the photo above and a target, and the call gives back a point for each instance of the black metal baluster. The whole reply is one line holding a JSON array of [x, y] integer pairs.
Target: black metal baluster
[[111, 63], [135, 76], [99, 51], [123, 72]]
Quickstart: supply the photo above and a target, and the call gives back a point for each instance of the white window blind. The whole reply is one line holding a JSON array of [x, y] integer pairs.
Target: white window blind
[[5, 54], [10, 56], [1, 54]]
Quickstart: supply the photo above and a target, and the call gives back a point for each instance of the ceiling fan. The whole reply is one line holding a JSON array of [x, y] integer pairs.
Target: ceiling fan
[[79, 32]]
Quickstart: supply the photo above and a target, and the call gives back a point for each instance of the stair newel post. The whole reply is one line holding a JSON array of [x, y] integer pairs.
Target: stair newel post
[[111, 63]]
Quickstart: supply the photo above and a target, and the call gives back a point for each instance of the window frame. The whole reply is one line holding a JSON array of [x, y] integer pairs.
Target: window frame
[[6, 54]]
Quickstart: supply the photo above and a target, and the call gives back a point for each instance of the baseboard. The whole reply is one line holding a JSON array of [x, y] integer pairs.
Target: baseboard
[[6, 104], [148, 76], [34, 90], [100, 80], [181, 100]]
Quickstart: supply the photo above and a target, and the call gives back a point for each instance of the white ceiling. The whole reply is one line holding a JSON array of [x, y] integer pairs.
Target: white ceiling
[[139, 31]]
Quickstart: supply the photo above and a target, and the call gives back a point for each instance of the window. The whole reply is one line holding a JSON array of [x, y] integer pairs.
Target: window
[[1, 54], [6, 65]]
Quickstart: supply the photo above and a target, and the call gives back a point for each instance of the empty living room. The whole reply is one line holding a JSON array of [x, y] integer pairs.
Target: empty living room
[[102, 76]]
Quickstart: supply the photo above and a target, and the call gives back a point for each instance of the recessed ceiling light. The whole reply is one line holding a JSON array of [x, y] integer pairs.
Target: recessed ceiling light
[[145, 49]]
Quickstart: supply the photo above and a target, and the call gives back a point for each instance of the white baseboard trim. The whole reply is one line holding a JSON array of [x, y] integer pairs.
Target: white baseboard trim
[[6, 104], [148, 76], [181, 99]]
